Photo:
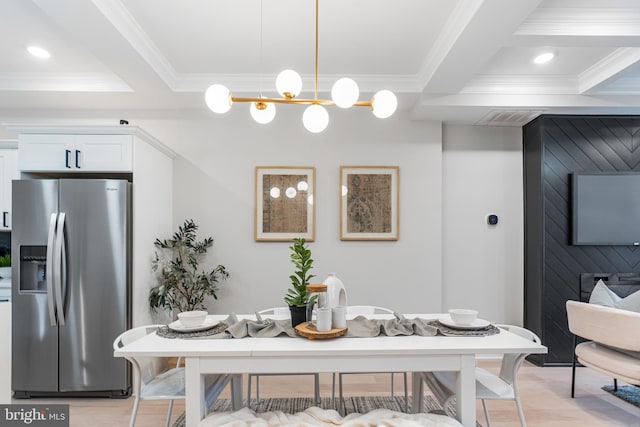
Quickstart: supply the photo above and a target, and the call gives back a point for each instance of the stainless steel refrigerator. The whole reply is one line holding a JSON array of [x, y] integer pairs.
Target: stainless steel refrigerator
[[71, 286]]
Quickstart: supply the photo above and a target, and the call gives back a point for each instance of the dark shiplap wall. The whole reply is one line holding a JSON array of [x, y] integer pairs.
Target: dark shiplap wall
[[554, 147]]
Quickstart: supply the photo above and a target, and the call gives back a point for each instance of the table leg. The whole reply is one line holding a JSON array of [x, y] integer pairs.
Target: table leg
[[417, 391], [194, 392], [466, 391], [236, 392]]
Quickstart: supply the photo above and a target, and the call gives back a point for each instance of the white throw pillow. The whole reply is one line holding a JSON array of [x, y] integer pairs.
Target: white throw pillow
[[630, 302], [602, 295]]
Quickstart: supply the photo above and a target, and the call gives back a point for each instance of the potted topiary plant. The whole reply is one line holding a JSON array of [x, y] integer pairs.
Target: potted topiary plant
[[181, 286], [297, 296]]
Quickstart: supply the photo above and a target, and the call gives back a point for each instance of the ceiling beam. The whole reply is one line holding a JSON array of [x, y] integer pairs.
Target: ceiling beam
[[457, 56], [95, 35]]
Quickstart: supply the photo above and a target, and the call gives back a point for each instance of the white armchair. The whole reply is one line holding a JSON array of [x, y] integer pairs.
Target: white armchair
[[280, 312], [153, 379], [488, 385], [364, 310]]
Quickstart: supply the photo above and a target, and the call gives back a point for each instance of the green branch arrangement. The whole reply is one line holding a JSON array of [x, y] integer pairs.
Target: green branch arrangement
[[181, 286]]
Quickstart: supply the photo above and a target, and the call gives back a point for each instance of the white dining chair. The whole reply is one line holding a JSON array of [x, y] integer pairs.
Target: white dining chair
[[365, 310], [489, 386], [280, 312], [153, 379]]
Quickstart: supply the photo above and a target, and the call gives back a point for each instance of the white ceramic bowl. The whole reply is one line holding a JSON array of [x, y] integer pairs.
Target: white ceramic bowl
[[463, 316], [192, 319]]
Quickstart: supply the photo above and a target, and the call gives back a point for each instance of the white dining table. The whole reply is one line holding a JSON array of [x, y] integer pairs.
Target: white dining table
[[285, 354]]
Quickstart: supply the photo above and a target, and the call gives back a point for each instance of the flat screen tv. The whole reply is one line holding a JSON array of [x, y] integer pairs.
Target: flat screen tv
[[606, 208]]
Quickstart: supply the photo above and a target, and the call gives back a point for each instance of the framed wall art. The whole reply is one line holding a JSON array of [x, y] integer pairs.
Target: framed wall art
[[369, 202], [285, 203]]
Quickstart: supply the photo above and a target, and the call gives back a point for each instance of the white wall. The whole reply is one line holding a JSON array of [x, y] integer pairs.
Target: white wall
[[152, 202], [483, 264], [214, 185], [449, 180]]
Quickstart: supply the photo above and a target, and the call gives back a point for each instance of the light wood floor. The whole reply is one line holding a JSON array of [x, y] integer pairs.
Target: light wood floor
[[544, 391]]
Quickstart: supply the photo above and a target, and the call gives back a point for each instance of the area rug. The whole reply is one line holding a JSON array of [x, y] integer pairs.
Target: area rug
[[628, 393], [355, 404]]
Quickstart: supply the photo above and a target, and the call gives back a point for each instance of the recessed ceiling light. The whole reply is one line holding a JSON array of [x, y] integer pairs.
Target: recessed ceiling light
[[38, 52], [543, 58]]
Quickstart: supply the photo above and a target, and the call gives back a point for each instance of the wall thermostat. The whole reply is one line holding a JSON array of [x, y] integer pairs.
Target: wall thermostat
[[492, 219]]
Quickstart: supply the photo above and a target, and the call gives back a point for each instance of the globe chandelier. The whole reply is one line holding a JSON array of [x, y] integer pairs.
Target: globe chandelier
[[344, 94]]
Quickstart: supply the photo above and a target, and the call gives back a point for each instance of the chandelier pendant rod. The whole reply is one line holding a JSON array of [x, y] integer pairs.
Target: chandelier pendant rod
[[316, 76]]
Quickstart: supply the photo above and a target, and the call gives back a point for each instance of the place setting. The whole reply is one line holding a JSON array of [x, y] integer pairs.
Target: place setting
[[464, 322], [190, 324]]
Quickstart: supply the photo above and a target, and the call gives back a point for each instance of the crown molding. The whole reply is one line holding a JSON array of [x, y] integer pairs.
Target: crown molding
[[581, 22], [33, 128], [531, 84], [622, 86], [607, 69], [251, 83], [63, 82]]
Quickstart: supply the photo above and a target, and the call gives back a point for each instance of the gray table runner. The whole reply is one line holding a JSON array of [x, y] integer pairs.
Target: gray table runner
[[359, 327]]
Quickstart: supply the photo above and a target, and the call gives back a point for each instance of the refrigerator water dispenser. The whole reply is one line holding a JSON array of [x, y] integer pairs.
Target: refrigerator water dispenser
[[33, 273]]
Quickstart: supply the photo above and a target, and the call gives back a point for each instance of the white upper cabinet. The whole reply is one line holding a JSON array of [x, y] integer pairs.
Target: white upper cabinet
[[8, 172], [75, 153]]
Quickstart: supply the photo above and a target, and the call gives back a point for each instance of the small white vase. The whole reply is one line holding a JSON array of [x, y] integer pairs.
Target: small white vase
[[336, 293]]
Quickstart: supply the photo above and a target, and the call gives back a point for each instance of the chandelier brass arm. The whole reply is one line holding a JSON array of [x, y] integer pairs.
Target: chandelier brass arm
[[266, 100]]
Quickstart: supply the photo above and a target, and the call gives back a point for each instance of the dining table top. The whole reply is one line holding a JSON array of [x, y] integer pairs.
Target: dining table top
[[501, 343]]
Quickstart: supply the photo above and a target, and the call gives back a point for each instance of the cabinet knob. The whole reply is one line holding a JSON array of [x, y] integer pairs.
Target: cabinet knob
[[66, 158], [78, 159], [4, 219]]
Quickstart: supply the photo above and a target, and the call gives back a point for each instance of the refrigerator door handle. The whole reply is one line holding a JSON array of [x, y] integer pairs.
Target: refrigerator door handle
[[58, 265], [49, 268]]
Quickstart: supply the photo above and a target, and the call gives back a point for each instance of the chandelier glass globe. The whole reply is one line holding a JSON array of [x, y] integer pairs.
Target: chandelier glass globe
[[289, 84], [315, 118], [345, 92], [218, 98], [262, 112], [384, 104]]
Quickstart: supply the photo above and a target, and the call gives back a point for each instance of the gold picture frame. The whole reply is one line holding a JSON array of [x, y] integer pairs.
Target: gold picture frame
[[369, 202], [285, 207]]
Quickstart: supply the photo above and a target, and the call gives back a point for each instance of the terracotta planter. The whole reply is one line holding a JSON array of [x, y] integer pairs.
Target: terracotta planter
[[298, 315]]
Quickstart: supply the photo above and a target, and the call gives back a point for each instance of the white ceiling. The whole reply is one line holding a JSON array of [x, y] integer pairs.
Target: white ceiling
[[465, 61]]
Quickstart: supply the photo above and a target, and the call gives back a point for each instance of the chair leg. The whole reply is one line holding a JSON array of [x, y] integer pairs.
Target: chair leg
[[169, 413], [486, 413], [257, 389], [447, 404], [249, 391], [520, 412], [406, 393], [573, 369], [615, 384], [333, 390], [342, 409], [392, 383], [134, 411], [316, 388]]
